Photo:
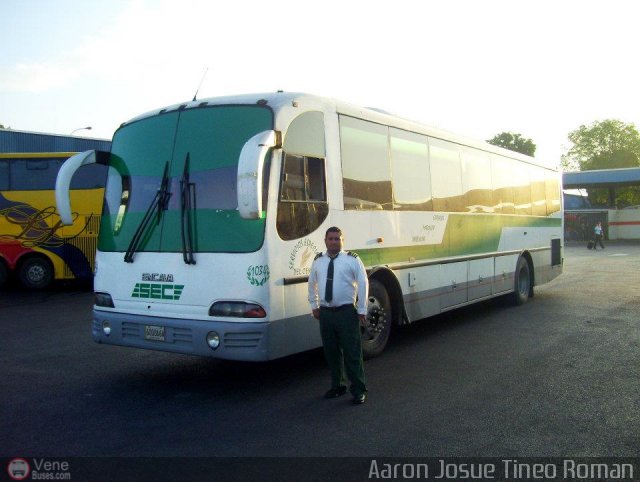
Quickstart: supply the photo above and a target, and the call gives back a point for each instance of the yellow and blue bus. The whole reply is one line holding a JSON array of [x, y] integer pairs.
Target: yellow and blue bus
[[34, 245], [214, 210]]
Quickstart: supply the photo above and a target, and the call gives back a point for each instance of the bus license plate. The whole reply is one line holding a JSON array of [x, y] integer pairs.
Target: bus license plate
[[156, 333]]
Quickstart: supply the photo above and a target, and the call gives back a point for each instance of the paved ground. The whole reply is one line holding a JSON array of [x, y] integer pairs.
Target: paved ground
[[558, 376]]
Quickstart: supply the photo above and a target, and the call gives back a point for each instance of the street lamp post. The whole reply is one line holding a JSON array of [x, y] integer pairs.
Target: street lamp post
[[88, 128]]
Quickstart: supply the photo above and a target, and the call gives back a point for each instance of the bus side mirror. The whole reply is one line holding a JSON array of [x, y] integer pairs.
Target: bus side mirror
[[63, 182], [250, 169]]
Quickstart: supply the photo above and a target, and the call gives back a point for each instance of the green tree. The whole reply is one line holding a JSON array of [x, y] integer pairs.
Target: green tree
[[606, 144], [514, 142]]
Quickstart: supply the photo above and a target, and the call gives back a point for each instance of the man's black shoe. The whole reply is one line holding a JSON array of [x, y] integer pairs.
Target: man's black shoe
[[335, 392], [359, 399]]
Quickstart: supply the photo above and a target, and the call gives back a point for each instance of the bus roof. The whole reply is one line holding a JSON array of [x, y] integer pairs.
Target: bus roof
[[12, 141], [35, 155], [280, 99]]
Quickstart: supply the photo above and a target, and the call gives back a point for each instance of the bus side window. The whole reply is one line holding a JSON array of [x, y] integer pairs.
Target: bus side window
[[302, 206], [302, 202], [91, 176], [366, 170], [34, 175]]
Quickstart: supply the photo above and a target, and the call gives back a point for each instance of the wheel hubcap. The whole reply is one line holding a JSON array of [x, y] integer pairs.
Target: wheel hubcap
[[36, 273], [376, 319]]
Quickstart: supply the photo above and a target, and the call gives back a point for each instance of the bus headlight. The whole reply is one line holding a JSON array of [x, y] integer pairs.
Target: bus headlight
[[213, 340], [106, 328]]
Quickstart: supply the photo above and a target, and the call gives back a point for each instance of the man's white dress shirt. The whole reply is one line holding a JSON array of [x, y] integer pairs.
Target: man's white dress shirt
[[350, 282]]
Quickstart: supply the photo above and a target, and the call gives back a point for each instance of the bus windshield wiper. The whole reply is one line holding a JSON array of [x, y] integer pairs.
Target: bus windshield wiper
[[186, 193], [158, 203]]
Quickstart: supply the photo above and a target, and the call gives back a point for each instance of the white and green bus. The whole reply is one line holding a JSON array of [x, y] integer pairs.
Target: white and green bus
[[214, 210]]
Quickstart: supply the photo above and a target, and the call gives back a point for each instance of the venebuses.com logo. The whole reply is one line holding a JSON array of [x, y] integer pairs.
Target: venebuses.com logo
[[19, 468]]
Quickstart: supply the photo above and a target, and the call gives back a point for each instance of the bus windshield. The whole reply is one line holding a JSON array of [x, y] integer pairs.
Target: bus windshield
[[199, 148]]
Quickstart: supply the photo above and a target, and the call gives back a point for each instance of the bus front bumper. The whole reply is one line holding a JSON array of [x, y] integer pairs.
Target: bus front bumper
[[242, 340], [236, 341]]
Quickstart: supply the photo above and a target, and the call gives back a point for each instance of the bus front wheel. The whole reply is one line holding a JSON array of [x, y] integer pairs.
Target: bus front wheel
[[377, 326], [35, 273], [522, 282]]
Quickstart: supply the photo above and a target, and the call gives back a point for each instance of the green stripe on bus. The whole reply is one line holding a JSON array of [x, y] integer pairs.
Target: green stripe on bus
[[464, 235]]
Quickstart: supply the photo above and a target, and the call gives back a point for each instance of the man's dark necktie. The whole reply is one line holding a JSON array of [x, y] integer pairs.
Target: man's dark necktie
[[328, 290]]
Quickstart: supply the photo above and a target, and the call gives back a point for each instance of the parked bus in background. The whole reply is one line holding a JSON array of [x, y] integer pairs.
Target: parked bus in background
[[214, 210], [34, 245]]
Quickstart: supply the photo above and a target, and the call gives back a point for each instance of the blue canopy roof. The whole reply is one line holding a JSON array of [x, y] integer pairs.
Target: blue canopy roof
[[602, 178]]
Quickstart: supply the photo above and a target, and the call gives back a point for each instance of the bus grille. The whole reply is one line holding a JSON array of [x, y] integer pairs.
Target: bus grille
[[242, 340], [135, 331], [87, 243], [130, 330], [182, 336]]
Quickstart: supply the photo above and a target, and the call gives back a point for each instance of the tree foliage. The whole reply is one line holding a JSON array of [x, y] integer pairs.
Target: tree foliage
[[607, 144], [514, 142]]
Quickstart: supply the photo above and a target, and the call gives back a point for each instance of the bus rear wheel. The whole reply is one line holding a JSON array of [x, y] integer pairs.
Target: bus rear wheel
[[35, 273], [522, 282], [375, 332]]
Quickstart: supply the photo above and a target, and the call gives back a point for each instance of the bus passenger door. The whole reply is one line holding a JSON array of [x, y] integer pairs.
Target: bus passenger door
[[302, 209]]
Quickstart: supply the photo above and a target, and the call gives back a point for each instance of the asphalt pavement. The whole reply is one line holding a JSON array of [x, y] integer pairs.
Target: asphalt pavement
[[558, 376]]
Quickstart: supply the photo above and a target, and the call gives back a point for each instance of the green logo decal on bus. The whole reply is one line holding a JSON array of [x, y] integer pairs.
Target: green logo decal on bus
[[302, 256], [258, 275], [157, 291]]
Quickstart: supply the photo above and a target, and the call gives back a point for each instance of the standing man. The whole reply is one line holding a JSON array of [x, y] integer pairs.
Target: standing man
[[337, 280], [598, 234]]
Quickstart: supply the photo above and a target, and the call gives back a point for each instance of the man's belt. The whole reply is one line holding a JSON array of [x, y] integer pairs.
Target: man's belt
[[337, 308]]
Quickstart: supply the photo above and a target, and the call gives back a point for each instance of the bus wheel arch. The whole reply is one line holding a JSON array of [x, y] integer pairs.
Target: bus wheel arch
[[35, 272], [383, 310], [532, 272], [523, 280]]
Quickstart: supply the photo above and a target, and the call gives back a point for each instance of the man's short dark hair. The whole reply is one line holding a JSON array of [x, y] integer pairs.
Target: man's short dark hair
[[333, 229]]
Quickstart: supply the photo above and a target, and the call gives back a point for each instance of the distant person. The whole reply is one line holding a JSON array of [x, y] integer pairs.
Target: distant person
[[337, 280], [597, 234]]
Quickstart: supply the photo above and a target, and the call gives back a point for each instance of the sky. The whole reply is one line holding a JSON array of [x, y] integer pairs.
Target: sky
[[540, 68]]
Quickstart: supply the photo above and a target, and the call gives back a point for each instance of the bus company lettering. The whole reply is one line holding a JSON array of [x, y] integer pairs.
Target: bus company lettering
[[432, 232], [157, 291], [301, 256], [157, 277]]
